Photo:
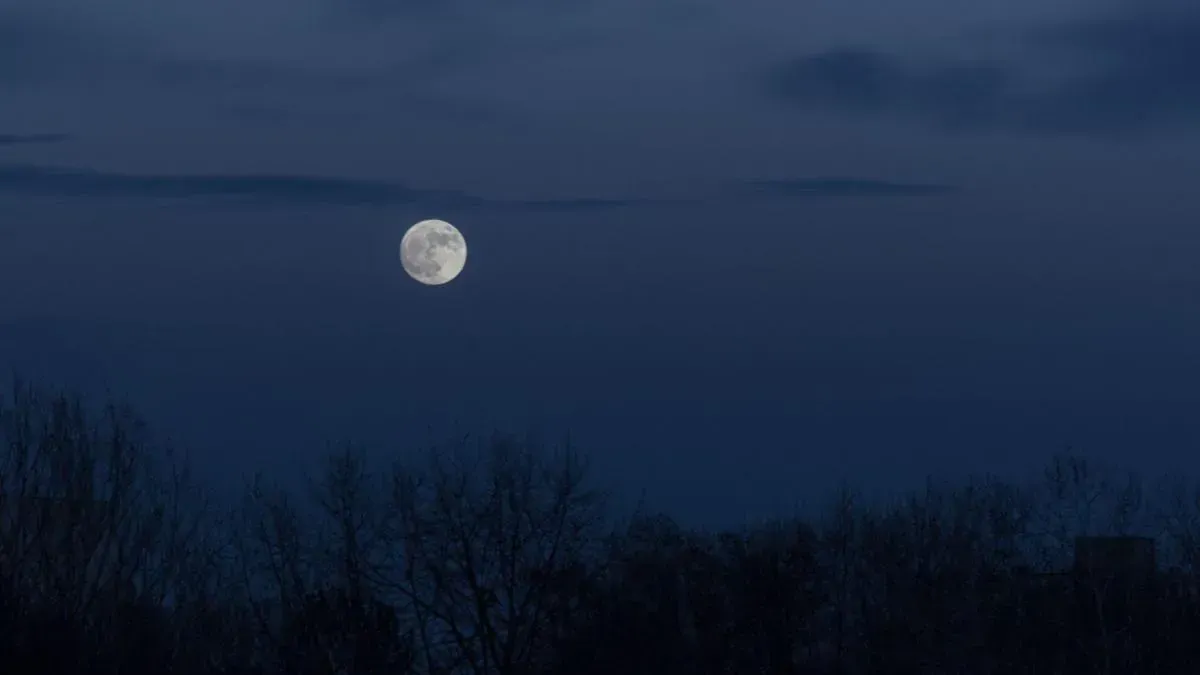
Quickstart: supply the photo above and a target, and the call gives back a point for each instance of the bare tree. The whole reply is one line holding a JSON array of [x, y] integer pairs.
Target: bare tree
[[96, 520], [840, 558], [484, 535], [777, 594], [273, 549]]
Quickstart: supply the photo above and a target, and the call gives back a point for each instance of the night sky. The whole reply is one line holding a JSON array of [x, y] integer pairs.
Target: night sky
[[742, 251]]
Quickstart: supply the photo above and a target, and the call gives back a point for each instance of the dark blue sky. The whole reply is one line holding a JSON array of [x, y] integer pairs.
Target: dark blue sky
[[742, 251]]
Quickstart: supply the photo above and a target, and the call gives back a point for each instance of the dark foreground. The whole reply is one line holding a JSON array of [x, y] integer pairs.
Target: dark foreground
[[500, 558]]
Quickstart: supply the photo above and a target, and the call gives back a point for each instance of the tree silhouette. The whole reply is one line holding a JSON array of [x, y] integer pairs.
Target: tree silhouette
[[497, 558], [337, 631]]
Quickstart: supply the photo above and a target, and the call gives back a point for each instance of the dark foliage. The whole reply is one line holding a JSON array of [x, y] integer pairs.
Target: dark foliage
[[497, 559]]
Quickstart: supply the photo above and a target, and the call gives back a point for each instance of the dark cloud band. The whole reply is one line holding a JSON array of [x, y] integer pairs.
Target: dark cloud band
[[30, 180], [1135, 73], [262, 189]]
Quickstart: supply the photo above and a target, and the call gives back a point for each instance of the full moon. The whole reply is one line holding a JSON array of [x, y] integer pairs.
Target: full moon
[[433, 252]]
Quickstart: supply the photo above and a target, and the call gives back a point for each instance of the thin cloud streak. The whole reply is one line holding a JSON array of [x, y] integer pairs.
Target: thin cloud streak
[[844, 187], [29, 139], [32, 180]]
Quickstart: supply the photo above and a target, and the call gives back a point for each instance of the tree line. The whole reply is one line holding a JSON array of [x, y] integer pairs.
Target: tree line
[[501, 557]]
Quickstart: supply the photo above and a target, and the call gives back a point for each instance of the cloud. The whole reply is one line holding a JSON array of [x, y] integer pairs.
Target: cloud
[[861, 81], [279, 43], [23, 139], [279, 61], [480, 12], [41, 47], [1143, 66], [28, 180], [430, 10], [31, 180], [178, 73], [1130, 72], [843, 187]]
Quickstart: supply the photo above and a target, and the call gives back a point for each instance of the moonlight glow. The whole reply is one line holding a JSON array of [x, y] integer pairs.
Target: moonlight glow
[[433, 252]]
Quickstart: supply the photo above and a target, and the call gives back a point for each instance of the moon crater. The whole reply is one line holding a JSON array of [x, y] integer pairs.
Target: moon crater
[[433, 252]]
